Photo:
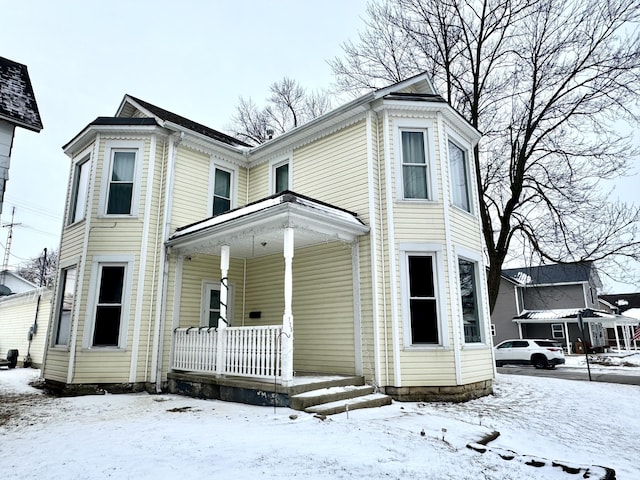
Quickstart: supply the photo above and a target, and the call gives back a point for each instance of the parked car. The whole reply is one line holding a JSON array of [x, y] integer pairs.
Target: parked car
[[537, 352]]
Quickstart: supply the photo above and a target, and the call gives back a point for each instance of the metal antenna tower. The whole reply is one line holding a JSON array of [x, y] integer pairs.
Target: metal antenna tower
[[7, 250]]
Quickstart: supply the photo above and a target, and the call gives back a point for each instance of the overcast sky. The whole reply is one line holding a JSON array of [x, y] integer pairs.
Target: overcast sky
[[194, 58]]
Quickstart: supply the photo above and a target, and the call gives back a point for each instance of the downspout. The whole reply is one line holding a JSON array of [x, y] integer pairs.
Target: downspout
[[452, 270], [161, 298], [155, 263], [373, 236]]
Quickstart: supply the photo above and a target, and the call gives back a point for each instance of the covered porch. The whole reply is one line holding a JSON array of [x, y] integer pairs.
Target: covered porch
[[566, 329], [250, 252]]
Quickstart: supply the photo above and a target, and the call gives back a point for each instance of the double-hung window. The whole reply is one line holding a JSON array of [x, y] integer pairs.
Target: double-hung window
[[459, 168], [109, 306], [557, 330], [221, 191], [423, 303], [65, 305], [80, 191], [121, 182], [415, 169], [469, 301], [281, 178]]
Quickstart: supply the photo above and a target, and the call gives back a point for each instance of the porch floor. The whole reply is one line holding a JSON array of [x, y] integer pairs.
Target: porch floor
[[254, 391]]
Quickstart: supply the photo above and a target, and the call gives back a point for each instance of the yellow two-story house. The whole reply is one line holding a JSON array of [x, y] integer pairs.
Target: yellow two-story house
[[348, 247]]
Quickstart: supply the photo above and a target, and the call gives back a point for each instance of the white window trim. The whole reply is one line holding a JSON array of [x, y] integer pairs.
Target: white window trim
[[94, 285], [228, 167], [413, 124], [83, 158], [110, 147], [275, 163], [207, 285], [470, 171], [434, 250], [553, 332], [65, 265], [476, 258]]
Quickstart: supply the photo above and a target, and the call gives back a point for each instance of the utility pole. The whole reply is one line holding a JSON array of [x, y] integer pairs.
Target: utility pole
[[5, 263]]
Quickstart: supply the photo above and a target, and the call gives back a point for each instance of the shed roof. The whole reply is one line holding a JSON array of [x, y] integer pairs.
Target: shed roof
[[17, 101]]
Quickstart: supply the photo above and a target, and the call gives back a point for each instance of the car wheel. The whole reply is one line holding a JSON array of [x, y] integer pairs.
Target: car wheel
[[539, 361]]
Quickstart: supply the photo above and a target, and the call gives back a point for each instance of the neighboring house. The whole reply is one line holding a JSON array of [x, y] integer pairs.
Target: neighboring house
[[546, 302], [24, 314], [628, 305], [14, 283], [350, 245], [18, 108]]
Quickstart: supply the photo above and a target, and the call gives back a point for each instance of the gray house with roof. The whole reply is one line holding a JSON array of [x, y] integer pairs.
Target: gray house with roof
[[18, 108], [544, 302]]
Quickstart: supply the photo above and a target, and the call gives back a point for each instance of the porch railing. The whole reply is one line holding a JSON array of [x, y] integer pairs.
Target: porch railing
[[247, 351]]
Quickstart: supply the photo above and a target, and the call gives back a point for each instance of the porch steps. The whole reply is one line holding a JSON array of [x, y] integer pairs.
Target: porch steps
[[337, 399]]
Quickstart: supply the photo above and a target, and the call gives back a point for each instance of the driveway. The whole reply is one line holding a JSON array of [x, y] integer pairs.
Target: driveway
[[568, 373]]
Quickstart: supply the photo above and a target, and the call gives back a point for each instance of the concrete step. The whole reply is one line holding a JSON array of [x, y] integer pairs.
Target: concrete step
[[366, 401], [301, 401]]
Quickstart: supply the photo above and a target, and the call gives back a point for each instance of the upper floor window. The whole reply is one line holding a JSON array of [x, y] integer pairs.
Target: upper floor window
[[415, 172], [80, 191], [120, 193], [221, 191], [458, 168], [281, 178]]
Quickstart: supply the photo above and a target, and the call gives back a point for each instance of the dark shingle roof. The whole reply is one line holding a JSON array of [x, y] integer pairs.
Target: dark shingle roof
[[546, 274], [189, 124], [17, 101], [624, 301]]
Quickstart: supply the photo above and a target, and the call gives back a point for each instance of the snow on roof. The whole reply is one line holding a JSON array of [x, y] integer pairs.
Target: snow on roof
[[17, 101], [564, 314], [269, 202]]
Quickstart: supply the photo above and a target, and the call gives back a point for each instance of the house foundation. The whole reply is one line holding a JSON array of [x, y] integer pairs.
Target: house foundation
[[455, 393]]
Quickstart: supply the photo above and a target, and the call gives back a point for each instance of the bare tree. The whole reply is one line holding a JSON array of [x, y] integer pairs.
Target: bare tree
[[545, 82], [40, 270], [288, 106]]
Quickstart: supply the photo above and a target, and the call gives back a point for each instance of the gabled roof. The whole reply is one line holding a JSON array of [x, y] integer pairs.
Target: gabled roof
[[561, 273], [130, 104], [17, 101]]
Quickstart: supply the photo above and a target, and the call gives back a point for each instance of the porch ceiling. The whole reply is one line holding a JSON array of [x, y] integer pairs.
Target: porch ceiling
[[257, 229]]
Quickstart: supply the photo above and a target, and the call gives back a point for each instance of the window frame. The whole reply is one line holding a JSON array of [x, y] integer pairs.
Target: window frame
[[427, 129], [467, 175], [274, 164], [205, 308], [228, 167], [78, 182], [111, 147], [63, 275], [481, 306], [476, 300], [100, 261], [435, 251], [553, 330]]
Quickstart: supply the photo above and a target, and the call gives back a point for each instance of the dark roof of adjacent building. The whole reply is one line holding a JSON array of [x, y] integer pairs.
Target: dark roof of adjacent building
[[624, 301], [551, 274], [168, 116], [17, 101]]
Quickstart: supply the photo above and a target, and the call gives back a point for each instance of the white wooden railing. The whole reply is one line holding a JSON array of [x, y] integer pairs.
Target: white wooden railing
[[248, 351]]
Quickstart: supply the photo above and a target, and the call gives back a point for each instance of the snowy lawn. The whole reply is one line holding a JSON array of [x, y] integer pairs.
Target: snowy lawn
[[166, 436]]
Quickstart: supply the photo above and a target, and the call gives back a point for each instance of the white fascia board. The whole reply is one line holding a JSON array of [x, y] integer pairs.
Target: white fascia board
[[239, 153], [85, 137], [421, 77], [447, 111]]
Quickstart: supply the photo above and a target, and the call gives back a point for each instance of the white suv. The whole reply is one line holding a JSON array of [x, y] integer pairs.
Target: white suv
[[539, 353]]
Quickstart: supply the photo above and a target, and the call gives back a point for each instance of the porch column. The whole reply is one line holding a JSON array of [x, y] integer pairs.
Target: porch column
[[287, 318], [519, 329], [615, 329], [566, 334], [222, 321]]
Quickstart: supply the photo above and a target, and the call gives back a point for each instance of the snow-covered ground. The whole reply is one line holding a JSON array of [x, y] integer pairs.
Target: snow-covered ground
[[581, 424]]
